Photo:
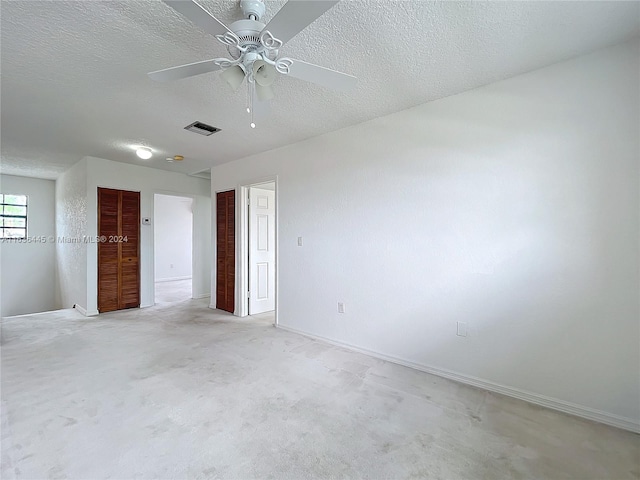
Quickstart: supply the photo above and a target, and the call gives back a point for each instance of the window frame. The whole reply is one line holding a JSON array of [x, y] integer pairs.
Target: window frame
[[25, 216]]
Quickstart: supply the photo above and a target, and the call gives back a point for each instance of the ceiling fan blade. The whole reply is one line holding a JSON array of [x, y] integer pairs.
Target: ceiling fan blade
[[198, 16], [184, 71], [295, 16], [322, 76]]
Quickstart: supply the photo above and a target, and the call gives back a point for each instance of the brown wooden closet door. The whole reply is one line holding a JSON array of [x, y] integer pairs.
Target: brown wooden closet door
[[108, 279], [129, 250], [119, 250], [225, 250]]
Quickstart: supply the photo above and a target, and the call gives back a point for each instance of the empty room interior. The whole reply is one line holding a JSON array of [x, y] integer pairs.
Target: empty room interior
[[271, 239]]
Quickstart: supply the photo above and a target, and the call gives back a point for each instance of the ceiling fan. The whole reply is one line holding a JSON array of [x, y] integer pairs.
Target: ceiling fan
[[254, 49]]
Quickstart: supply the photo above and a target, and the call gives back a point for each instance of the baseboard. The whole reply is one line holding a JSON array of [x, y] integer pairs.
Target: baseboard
[[202, 295], [542, 400], [172, 279], [85, 312], [46, 312]]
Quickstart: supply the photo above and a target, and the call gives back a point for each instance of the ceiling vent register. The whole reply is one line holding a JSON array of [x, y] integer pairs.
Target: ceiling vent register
[[202, 129]]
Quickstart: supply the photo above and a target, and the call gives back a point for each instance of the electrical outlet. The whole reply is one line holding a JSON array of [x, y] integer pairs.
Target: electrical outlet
[[340, 307], [462, 329], [299, 241]]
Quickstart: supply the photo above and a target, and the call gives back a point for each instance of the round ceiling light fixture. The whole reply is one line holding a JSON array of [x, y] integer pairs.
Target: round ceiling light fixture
[[144, 153]]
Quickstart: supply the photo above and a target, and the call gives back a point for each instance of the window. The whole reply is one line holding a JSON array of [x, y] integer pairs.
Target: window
[[13, 216]]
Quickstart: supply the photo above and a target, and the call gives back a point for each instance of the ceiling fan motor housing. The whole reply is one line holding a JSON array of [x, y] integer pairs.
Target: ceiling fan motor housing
[[248, 31]]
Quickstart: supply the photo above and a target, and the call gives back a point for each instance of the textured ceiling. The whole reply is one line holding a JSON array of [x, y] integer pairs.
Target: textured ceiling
[[74, 73]]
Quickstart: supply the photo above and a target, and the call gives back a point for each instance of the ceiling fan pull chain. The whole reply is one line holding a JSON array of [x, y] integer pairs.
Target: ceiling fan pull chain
[[251, 99]]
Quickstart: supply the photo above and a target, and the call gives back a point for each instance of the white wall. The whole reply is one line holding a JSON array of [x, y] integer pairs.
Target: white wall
[[28, 279], [148, 181], [202, 245], [512, 208], [173, 219]]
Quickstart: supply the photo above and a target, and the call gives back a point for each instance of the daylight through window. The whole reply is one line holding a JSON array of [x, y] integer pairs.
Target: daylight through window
[[13, 215]]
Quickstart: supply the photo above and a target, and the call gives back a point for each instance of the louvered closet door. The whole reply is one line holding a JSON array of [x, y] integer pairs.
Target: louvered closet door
[[225, 250], [108, 214], [129, 250], [119, 253]]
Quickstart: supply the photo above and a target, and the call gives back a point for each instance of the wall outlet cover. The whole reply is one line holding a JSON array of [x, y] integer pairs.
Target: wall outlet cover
[[461, 329]]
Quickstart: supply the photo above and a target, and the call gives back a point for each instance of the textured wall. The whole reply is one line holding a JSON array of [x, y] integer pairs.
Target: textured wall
[[71, 222], [28, 279], [512, 208]]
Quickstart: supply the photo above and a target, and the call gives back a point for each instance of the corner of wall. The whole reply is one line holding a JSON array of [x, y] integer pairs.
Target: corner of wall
[[70, 211]]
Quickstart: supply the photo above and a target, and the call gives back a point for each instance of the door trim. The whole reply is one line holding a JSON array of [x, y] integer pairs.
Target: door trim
[[242, 242]]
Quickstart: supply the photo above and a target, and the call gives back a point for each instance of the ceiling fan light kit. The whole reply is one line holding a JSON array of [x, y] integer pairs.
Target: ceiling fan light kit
[[254, 50], [234, 76]]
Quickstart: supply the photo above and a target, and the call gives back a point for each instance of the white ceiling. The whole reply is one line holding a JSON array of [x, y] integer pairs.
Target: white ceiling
[[74, 73]]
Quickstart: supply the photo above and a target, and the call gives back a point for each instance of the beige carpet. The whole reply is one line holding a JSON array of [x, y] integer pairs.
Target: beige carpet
[[184, 392], [174, 291]]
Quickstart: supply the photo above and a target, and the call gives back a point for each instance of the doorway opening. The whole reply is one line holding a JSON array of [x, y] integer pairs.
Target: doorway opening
[[173, 248], [260, 245]]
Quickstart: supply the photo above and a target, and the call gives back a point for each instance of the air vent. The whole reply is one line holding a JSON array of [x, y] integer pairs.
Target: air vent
[[202, 128]]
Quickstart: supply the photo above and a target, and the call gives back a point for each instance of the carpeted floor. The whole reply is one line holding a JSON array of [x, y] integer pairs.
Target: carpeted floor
[[173, 291], [184, 392]]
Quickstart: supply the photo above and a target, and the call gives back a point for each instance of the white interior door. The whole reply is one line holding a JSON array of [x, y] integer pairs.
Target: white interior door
[[262, 253]]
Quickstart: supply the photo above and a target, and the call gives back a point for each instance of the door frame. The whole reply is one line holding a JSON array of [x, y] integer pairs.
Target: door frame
[[252, 237], [242, 305]]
